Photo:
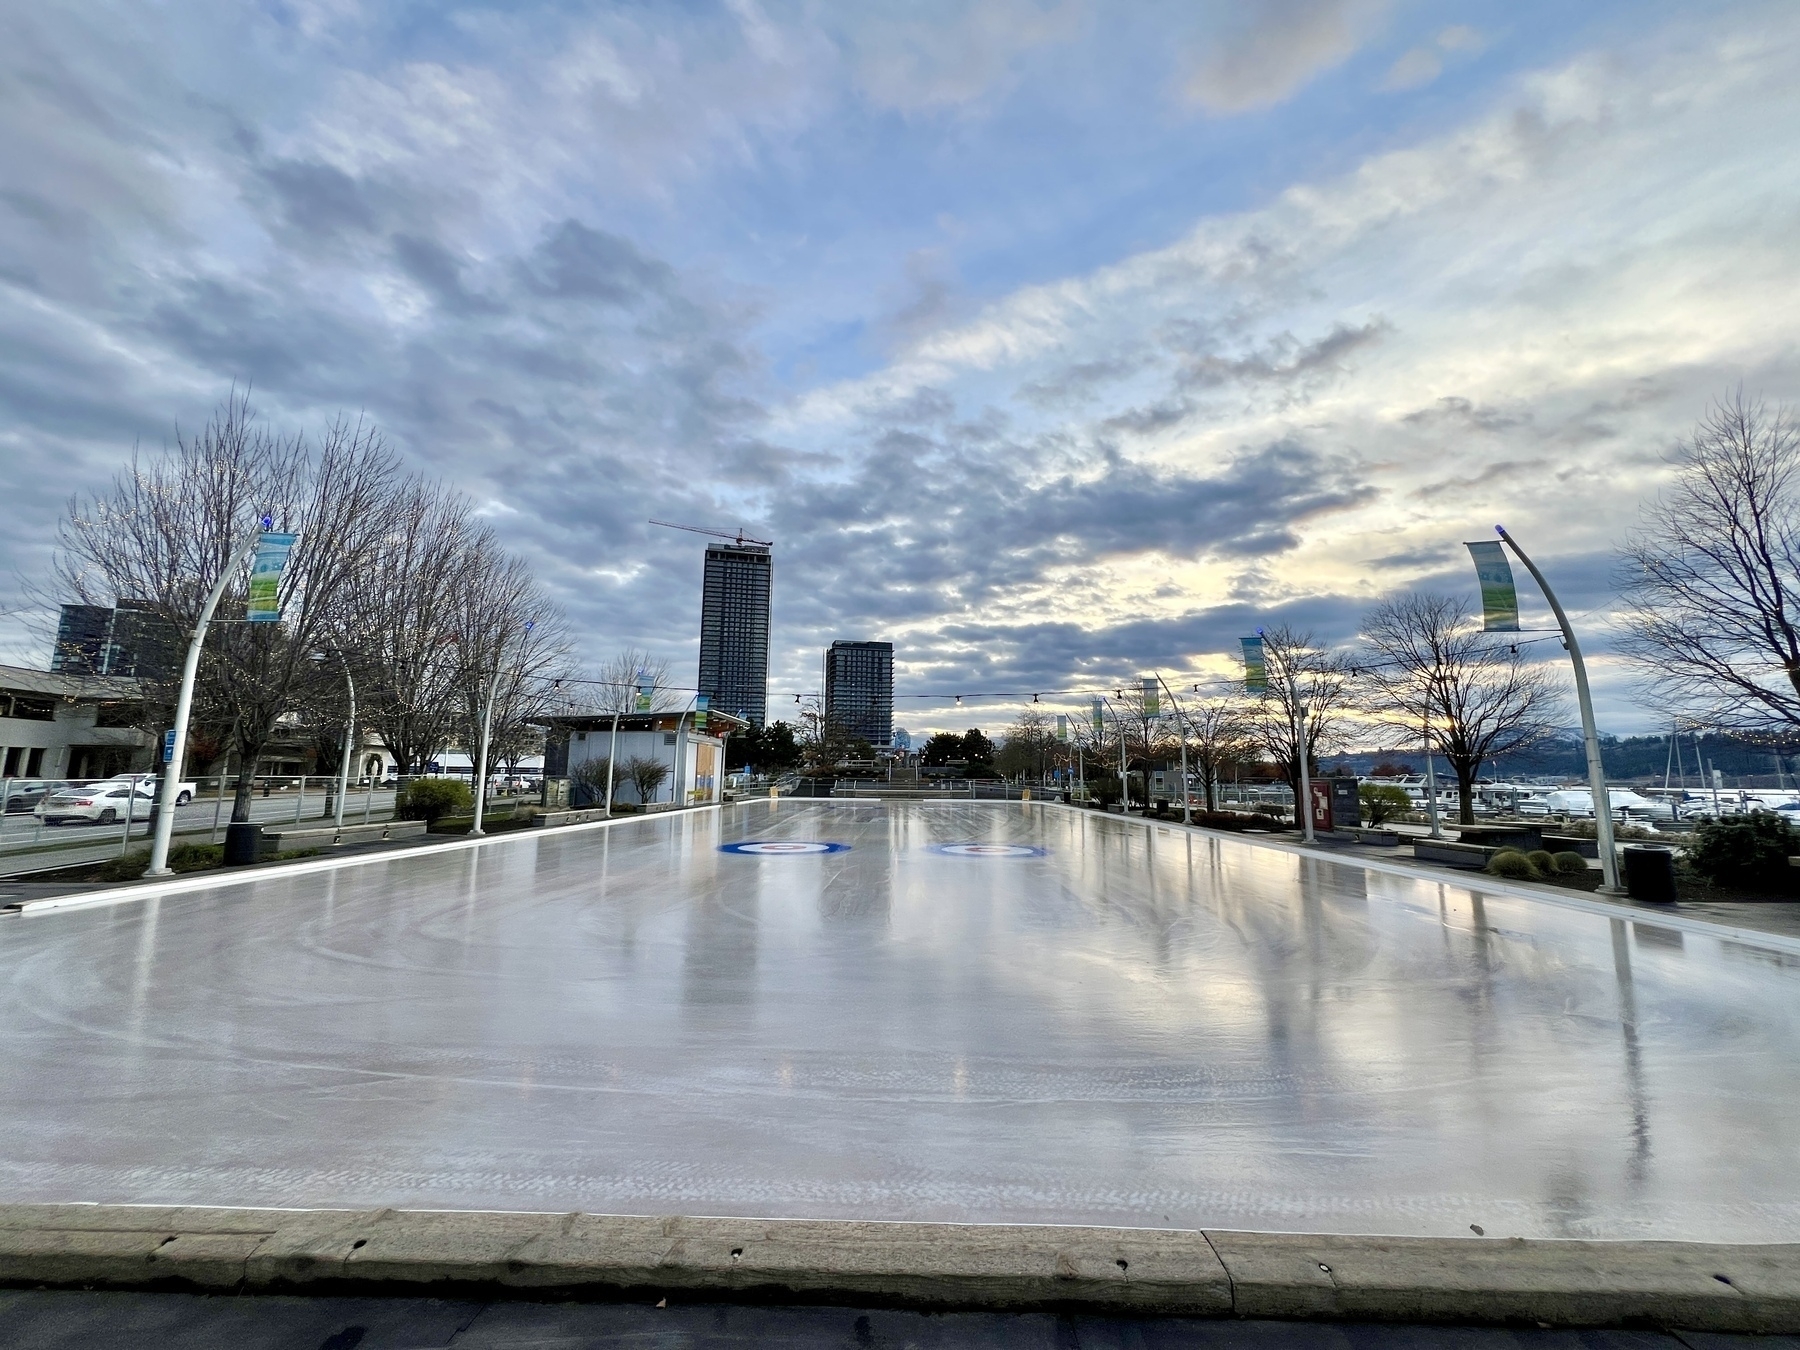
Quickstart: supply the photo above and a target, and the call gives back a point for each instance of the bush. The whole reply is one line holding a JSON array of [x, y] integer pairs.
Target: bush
[[1569, 864], [182, 858], [427, 799], [1512, 864], [1749, 851], [1224, 820], [1542, 860], [1382, 802], [1586, 829]]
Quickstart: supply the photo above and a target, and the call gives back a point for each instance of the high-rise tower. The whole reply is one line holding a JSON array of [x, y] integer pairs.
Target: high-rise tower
[[734, 628], [859, 690]]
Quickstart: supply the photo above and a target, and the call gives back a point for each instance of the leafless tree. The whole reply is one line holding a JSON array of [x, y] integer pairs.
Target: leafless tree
[[511, 646], [1713, 574], [1480, 697], [1220, 737], [169, 526], [646, 776], [616, 687], [1029, 747], [1301, 676], [401, 615]]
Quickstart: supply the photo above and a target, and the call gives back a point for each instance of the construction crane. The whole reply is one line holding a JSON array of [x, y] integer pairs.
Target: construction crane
[[740, 537]]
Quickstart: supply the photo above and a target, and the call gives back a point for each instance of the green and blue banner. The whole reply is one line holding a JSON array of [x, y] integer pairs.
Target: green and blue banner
[[1062, 727], [1256, 667], [264, 605], [1152, 700], [700, 705], [1499, 599], [1099, 718], [646, 689]]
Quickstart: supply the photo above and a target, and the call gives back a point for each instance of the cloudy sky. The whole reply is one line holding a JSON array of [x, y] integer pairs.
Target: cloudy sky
[[1052, 341]]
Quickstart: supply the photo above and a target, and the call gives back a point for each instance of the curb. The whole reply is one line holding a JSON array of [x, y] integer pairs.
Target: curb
[[1208, 1273]]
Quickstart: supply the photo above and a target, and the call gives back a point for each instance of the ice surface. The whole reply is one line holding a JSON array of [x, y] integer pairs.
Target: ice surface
[[1137, 1025]]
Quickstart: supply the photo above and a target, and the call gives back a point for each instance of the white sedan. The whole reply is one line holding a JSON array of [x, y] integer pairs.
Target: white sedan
[[152, 783], [103, 803]]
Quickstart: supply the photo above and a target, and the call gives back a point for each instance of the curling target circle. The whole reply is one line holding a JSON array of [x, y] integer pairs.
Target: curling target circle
[[990, 850], [783, 848]]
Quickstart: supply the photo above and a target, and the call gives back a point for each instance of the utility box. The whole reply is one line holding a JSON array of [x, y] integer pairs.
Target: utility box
[[1321, 805], [1346, 803]]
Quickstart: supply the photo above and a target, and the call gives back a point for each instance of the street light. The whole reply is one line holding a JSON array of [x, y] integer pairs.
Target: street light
[[184, 704], [1590, 735], [487, 725]]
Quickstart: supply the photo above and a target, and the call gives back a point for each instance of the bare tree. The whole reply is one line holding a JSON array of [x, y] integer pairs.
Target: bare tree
[[511, 646], [168, 528], [401, 614], [1480, 698], [646, 776], [1029, 747], [1713, 574], [1220, 737], [1301, 677], [616, 687]]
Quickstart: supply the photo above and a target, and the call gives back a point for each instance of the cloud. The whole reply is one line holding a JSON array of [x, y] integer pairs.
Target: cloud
[[949, 55], [1421, 65], [1275, 49]]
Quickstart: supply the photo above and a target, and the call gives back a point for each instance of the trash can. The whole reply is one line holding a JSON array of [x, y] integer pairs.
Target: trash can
[[1650, 873], [243, 841]]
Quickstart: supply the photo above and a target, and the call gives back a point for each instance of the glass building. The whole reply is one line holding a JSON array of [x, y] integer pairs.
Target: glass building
[[859, 689], [734, 629]]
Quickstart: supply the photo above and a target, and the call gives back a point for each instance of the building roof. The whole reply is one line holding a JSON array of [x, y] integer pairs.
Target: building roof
[[75, 688]]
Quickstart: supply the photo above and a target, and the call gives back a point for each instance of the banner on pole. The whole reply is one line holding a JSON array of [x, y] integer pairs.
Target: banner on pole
[[1152, 704], [1499, 600], [1099, 718], [1062, 727], [700, 704], [264, 605], [1256, 669], [645, 690]]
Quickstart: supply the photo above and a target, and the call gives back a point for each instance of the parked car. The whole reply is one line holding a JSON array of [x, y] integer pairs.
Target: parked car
[[23, 794], [101, 803], [184, 792]]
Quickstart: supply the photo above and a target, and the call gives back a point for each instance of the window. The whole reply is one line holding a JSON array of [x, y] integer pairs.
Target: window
[[28, 707], [34, 764], [13, 756], [668, 738]]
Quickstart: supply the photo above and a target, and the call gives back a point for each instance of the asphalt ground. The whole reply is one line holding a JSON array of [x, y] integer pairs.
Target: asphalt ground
[[78, 1320]]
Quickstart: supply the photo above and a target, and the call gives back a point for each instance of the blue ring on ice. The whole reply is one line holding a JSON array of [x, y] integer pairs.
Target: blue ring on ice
[[783, 848], [990, 850]]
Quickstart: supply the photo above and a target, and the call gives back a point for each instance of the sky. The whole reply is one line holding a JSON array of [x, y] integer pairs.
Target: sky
[[1055, 343]]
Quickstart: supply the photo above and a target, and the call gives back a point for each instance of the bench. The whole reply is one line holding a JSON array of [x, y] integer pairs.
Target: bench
[[1380, 838], [574, 816], [1473, 856], [287, 838]]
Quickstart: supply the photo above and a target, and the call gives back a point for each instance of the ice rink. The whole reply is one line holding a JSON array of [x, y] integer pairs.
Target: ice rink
[[1100, 1022]]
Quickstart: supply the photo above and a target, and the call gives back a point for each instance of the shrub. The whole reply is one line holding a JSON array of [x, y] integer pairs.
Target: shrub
[[1382, 802], [182, 858], [1749, 851], [1542, 860], [1586, 829], [1569, 864], [428, 799], [1223, 820], [1512, 864]]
